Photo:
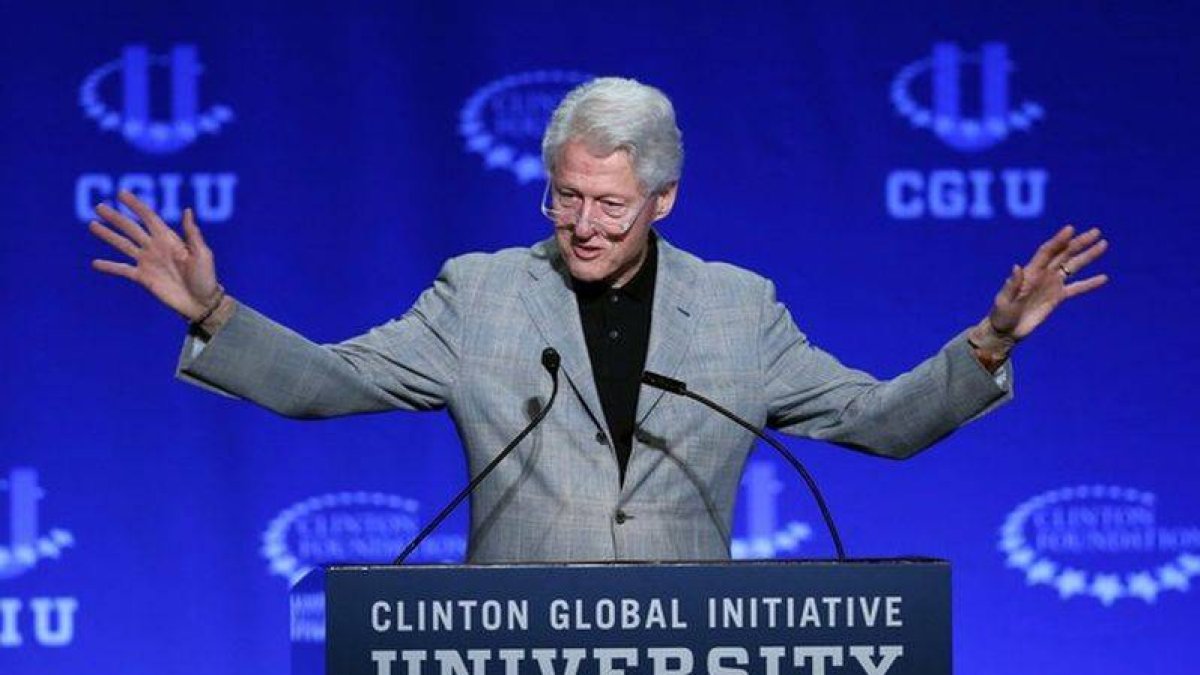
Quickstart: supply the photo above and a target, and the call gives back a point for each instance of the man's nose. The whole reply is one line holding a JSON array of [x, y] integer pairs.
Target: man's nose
[[582, 227]]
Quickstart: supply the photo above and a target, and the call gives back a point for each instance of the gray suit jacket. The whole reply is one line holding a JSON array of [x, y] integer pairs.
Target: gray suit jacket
[[472, 344]]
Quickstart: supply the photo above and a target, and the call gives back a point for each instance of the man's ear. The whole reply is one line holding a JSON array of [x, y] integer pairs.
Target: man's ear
[[665, 201]]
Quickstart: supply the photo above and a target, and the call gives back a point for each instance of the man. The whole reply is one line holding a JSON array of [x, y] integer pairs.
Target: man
[[616, 471]]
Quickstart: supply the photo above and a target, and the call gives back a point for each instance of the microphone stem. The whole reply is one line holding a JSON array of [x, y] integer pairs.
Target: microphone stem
[[812, 484], [445, 512]]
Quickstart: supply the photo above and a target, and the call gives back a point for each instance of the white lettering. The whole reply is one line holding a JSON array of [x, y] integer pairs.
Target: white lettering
[[892, 611], [383, 659], [1032, 201], [54, 620], [606, 656], [950, 194], [661, 659], [772, 656], [905, 189], [213, 194], [559, 617], [10, 636], [379, 621], [717, 657], [818, 655], [545, 660], [865, 654], [512, 660], [451, 661]]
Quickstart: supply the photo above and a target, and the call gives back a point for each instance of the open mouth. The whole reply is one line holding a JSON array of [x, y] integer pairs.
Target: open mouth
[[586, 252]]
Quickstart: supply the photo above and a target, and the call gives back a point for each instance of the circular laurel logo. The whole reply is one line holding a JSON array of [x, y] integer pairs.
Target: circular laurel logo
[[1101, 541], [343, 527], [503, 121]]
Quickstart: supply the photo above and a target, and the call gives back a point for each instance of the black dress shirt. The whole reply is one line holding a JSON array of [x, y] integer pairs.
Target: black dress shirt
[[616, 326]]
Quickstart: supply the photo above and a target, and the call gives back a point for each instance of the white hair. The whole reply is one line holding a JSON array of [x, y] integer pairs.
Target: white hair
[[614, 113]]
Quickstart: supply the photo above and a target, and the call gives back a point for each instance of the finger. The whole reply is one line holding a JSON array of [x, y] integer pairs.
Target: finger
[[113, 239], [192, 235], [1053, 246], [1086, 285], [1086, 258], [146, 215], [124, 223], [115, 269], [1076, 245], [1012, 285]]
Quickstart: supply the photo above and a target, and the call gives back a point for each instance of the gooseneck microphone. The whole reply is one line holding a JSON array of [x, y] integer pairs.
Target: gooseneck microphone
[[680, 388], [551, 362]]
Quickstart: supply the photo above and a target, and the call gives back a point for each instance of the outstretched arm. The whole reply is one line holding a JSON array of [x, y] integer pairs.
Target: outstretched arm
[[408, 363]]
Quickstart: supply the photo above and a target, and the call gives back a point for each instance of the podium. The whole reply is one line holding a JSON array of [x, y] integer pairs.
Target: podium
[[729, 618]]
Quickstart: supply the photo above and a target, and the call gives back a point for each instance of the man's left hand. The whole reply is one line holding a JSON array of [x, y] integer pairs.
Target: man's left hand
[[1034, 291]]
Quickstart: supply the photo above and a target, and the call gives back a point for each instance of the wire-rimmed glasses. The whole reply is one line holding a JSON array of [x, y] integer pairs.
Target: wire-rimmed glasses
[[611, 219]]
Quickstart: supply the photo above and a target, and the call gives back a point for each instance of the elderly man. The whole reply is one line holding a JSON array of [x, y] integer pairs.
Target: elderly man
[[616, 471]]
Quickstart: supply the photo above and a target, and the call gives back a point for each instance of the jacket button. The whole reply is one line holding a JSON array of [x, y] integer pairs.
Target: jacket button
[[601, 438], [622, 517]]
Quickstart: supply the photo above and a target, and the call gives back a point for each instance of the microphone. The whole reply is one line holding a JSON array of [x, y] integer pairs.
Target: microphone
[[551, 362], [680, 388]]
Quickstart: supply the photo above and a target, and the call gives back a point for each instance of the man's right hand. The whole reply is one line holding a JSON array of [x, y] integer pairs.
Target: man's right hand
[[179, 272]]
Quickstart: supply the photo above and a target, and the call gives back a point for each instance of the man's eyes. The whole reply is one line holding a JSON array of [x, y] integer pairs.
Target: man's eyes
[[606, 204]]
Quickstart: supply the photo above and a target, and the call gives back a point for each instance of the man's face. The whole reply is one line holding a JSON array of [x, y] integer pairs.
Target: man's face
[[598, 182]]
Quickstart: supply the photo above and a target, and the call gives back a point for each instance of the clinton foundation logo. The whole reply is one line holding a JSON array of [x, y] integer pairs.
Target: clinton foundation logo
[[346, 527], [31, 620], [1099, 541], [932, 94], [153, 102], [503, 121]]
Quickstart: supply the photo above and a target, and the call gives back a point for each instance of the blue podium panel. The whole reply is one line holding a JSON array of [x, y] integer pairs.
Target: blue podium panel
[[870, 616]]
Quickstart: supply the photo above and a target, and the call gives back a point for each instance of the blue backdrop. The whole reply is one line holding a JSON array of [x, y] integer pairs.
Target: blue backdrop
[[885, 165]]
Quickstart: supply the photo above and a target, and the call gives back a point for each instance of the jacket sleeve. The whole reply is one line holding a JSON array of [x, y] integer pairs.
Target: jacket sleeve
[[409, 363], [810, 393]]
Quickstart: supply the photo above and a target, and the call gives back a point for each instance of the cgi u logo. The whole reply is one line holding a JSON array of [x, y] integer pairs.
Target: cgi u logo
[[134, 121], [52, 618], [952, 193], [25, 546], [765, 538], [23, 496], [210, 192], [945, 115]]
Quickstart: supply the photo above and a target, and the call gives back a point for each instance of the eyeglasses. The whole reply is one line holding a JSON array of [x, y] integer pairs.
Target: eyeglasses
[[611, 219]]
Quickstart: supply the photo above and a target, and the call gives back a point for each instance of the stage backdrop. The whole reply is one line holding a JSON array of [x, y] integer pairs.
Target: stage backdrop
[[885, 165]]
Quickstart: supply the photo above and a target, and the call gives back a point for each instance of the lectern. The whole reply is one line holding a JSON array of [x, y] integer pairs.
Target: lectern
[[771, 617]]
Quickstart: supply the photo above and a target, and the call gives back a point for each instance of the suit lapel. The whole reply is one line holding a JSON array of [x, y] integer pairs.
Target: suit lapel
[[671, 325], [552, 306]]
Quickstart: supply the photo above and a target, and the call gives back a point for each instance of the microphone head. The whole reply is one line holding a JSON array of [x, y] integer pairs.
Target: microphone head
[[551, 359], [663, 382]]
